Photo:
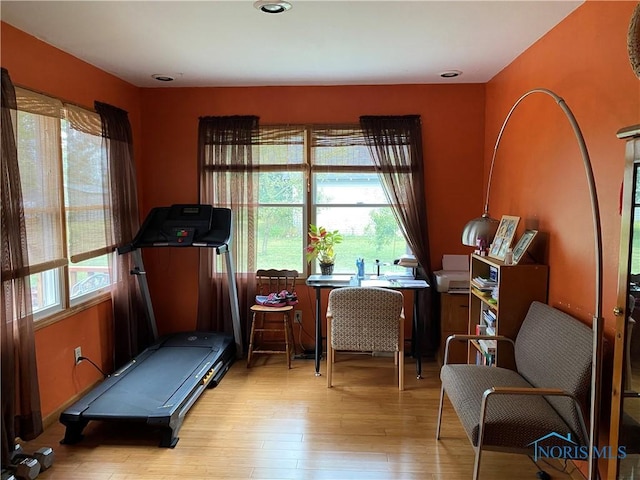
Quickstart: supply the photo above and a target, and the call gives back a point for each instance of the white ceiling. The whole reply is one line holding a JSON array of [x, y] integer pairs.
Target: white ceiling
[[321, 42]]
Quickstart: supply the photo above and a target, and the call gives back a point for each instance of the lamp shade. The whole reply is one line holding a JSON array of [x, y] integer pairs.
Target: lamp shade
[[483, 227]]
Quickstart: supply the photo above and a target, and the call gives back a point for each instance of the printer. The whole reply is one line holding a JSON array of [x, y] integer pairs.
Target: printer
[[454, 276]]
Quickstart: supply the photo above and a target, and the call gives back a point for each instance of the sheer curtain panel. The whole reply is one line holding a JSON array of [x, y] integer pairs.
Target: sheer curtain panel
[[88, 215], [395, 143], [41, 177], [225, 144], [131, 330], [21, 414]]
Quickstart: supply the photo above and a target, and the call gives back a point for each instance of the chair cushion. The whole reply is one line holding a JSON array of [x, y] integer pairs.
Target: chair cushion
[[512, 422]]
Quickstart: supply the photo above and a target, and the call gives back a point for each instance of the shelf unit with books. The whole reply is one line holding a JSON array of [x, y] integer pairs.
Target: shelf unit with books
[[499, 299]]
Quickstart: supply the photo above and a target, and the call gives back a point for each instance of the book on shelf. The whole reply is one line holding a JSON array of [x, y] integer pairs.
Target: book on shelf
[[483, 283], [488, 319], [487, 346], [485, 359], [488, 316], [490, 312]]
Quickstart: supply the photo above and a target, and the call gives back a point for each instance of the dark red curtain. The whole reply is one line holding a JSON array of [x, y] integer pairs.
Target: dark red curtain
[[21, 413], [395, 143], [225, 145], [132, 332]]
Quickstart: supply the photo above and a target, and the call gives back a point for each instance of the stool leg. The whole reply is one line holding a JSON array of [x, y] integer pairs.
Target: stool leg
[[291, 338], [286, 339], [261, 326], [253, 329]]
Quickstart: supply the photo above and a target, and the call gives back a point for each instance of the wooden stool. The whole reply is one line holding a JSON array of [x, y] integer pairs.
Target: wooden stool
[[272, 319]]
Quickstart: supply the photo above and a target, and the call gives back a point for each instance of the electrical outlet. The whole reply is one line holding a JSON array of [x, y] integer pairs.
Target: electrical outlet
[[297, 316], [77, 353]]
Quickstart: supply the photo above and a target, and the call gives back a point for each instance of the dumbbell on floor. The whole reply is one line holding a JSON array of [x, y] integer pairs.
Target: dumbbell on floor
[[7, 475], [25, 468], [44, 456]]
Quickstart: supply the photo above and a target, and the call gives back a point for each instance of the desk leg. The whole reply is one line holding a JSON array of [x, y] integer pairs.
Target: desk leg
[[318, 333], [418, 333]]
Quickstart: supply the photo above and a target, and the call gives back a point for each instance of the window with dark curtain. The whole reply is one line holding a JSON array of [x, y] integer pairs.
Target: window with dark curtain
[[225, 144], [395, 143], [21, 414], [277, 179], [131, 329]]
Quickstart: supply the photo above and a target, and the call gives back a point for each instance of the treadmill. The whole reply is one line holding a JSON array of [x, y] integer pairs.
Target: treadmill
[[160, 385]]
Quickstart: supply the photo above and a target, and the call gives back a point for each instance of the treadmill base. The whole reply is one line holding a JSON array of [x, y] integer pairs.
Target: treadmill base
[[157, 388]]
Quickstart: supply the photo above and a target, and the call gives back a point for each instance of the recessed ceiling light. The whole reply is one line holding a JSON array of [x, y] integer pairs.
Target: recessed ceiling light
[[451, 74], [268, 6], [161, 77]]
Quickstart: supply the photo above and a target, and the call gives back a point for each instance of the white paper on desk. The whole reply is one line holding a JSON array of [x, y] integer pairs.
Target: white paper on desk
[[455, 262], [329, 279], [413, 283], [375, 283]]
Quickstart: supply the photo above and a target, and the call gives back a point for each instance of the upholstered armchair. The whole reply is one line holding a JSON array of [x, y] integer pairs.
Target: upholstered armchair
[[365, 319]]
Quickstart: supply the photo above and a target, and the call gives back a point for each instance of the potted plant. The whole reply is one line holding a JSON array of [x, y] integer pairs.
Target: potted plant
[[321, 243]]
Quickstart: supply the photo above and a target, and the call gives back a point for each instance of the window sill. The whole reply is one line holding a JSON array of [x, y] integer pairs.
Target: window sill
[[68, 312]]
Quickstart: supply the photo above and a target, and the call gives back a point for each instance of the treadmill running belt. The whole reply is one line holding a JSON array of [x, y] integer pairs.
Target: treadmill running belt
[[148, 390]]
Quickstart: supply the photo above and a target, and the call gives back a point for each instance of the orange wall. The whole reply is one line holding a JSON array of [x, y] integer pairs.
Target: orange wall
[[33, 64], [539, 174], [60, 379], [453, 129]]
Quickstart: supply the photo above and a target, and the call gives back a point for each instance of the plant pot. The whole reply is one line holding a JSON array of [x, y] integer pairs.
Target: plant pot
[[326, 268]]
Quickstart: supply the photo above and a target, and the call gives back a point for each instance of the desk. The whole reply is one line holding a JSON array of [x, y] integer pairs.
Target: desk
[[319, 282]]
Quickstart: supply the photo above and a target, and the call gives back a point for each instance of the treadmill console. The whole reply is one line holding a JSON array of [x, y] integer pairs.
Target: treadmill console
[[192, 217], [184, 222], [183, 236], [184, 225]]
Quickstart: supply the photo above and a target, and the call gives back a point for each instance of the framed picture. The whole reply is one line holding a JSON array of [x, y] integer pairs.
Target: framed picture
[[504, 236], [523, 244]]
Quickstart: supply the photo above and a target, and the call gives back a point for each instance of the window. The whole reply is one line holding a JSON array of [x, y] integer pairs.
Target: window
[[66, 196], [297, 175], [347, 195]]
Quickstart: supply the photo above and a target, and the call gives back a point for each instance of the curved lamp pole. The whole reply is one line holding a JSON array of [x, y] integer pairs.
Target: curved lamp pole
[[486, 226]]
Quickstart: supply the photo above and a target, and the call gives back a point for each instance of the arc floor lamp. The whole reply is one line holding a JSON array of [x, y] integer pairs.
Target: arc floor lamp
[[485, 227]]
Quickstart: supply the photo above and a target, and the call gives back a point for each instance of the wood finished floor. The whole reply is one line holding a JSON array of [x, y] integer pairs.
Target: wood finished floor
[[268, 422]]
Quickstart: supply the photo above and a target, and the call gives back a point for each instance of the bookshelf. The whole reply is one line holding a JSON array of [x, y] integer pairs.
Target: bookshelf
[[501, 303]]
